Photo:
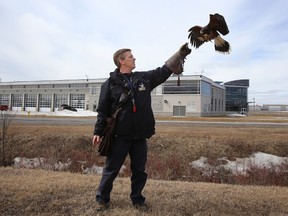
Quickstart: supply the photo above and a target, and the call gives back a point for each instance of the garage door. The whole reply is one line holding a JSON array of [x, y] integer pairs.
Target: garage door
[[179, 110]]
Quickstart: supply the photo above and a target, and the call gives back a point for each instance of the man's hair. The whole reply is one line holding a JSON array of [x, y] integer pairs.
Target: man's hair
[[119, 54]]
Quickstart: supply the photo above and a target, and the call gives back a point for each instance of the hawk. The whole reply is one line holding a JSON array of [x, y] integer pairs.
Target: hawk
[[198, 35]]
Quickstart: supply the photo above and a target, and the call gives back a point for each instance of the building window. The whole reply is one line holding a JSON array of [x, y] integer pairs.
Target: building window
[[45, 100], [93, 90], [60, 99], [4, 99], [31, 86], [5, 87], [186, 87], [78, 101], [47, 86], [61, 86], [78, 85], [205, 88], [30, 100], [17, 100], [18, 86]]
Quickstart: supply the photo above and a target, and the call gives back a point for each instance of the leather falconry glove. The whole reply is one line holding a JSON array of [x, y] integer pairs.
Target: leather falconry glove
[[176, 62]]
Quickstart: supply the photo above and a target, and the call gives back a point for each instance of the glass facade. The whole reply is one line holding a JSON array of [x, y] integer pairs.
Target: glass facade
[[236, 95], [205, 88], [186, 87]]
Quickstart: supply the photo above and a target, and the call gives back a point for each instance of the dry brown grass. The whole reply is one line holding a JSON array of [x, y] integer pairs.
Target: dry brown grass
[[38, 192], [170, 151]]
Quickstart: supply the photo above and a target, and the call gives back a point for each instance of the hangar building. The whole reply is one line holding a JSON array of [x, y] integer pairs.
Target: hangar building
[[197, 95]]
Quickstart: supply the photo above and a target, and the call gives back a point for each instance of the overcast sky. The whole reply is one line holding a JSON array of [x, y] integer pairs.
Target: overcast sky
[[76, 39]]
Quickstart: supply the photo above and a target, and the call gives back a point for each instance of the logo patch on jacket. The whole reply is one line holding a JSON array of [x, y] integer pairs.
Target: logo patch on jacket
[[142, 87]]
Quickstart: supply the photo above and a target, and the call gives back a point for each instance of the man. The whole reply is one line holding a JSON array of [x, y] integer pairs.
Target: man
[[135, 122]]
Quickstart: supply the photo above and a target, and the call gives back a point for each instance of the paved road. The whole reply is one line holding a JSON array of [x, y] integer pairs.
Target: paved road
[[55, 120], [91, 121]]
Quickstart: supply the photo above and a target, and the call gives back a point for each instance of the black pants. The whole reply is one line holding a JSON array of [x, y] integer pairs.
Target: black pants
[[137, 150]]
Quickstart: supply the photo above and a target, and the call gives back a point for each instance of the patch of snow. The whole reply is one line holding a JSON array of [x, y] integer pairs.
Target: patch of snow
[[92, 170], [40, 163], [240, 165], [236, 115], [79, 113], [97, 170], [43, 163]]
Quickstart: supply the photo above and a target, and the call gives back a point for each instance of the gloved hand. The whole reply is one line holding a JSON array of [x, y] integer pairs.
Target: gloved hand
[[185, 50], [176, 62]]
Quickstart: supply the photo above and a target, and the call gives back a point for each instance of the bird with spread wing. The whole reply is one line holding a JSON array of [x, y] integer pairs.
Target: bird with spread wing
[[217, 24]]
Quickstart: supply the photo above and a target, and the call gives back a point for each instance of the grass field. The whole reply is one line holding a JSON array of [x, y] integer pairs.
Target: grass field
[[173, 187], [39, 192]]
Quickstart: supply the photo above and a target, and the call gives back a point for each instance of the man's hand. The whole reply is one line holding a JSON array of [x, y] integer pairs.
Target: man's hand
[[96, 140], [185, 50], [176, 62]]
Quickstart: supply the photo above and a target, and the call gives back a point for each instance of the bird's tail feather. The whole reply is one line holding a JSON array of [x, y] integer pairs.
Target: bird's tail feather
[[221, 45]]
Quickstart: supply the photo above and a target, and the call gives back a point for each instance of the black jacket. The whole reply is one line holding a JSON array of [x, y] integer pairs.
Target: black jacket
[[130, 124]]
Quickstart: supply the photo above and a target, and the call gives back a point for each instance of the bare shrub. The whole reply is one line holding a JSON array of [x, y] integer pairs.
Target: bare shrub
[[239, 147], [281, 147], [57, 148], [6, 118], [170, 150], [277, 176], [170, 167]]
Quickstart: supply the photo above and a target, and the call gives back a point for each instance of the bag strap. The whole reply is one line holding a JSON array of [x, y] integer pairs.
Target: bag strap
[[127, 91], [116, 112]]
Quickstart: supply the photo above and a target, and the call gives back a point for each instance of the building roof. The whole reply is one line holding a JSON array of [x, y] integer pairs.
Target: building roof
[[240, 82]]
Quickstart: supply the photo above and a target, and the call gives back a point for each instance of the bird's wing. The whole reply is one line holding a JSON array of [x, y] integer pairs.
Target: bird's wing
[[196, 38]]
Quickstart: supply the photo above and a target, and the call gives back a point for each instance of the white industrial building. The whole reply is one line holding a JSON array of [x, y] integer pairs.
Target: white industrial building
[[197, 95]]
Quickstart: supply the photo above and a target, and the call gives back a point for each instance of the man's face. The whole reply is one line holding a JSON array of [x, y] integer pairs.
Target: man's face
[[129, 61]]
